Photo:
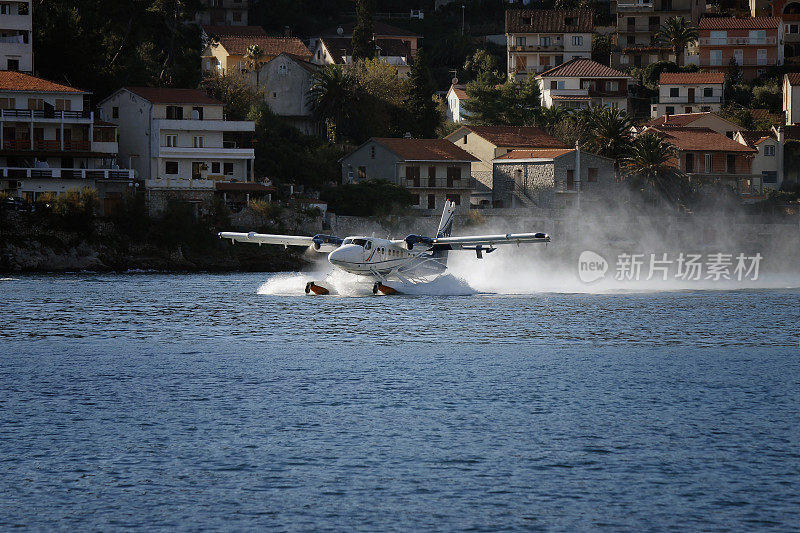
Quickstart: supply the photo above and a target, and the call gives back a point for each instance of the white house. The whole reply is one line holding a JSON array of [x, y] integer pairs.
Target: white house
[[538, 40], [286, 81], [791, 97], [339, 51], [16, 35], [769, 160], [178, 139], [579, 83], [51, 142], [456, 96], [689, 92]]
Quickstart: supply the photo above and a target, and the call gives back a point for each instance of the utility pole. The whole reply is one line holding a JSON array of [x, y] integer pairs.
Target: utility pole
[[462, 19]]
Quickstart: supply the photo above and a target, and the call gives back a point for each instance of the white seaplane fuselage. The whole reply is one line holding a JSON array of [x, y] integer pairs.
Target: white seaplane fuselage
[[370, 256]]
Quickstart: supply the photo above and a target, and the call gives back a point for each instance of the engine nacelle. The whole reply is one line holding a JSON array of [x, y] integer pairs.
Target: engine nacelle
[[329, 241], [411, 240]]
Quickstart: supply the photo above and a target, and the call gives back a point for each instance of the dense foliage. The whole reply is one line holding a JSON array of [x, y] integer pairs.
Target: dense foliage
[[369, 198]]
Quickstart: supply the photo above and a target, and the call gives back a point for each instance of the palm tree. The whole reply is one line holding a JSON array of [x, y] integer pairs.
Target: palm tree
[[609, 129], [550, 117], [253, 59], [331, 96], [650, 165], [678, 34]]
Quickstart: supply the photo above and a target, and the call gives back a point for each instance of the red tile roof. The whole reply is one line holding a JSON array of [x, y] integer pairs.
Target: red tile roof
[[733, 23], [549, 20], [683, 119], [17, 81], [158, 95], [388, 47], [511, 136], [460, 91], [425, 149], [379, 29], [536, 154], [570, 97], [764, 114], [701, 140], [272, 46], [583, 68], [794, 78], [756, 137], [235, 31], [690, 78]]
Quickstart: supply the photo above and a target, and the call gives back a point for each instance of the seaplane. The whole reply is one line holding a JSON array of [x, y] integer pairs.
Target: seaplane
[[391, 263]]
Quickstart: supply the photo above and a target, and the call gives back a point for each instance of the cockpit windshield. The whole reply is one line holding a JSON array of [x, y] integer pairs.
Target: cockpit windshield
[[359, 242]]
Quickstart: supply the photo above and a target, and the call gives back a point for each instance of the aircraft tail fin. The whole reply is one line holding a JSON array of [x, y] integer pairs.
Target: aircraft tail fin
[[446, 224]]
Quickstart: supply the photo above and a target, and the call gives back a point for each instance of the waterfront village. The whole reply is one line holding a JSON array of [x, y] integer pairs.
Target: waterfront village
[[362, 107]]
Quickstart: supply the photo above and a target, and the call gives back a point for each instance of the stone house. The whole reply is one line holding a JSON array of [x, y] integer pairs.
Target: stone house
[[434, 170], [286, 81], [552, 179]]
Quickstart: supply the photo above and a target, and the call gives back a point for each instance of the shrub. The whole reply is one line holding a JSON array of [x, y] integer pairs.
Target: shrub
[[369, 198]]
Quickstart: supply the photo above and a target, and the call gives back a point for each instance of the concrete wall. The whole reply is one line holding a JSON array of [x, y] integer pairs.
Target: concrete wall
[[286, 85], [382, 166], [134, 130]]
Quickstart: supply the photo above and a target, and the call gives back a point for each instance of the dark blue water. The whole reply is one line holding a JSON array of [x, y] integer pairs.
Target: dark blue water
[[191, 402]]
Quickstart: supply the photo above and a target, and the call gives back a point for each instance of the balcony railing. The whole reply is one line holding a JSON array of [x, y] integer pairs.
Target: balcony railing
[[45, 145], [553, 47], [634, 7], [730, 41], [685, 100], [424, 183], [66, 173], [745, 63], [41, 113]]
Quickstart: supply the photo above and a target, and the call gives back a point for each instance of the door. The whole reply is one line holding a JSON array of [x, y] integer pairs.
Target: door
[[691, 95], [431, 176], [570, 180], [689, 163], [737, 55], [431, 201], [197, 170], [730, 164]]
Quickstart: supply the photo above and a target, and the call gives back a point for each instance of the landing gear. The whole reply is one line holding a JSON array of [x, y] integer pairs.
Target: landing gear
[[316, 289], [376, 287], [383, 289]]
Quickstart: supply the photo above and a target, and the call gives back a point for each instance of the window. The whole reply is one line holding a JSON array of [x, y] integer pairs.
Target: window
[[708, 163], [570, 180], [715, 57], [465, 139], [670, 110], [453, 175], [577, 40], [197, 141], [792, 28], [7, 103], [412, 175], [362, 173], [631, 40], [769, 176], [282, 70], [631, 22], [431, 201], [689, 163], [115, 112], [592, 175], [738, 56], [431, 176], [228, 169], [769, 150], [560, 85], [171, 167], [5, 9], [544, 41], [718, 37], [13, 64], [761, 57], [544, 61], [197, 113], [237, 16], [35, 103], [63, 104], [171, 141], [174, 112], [612, 86], [372, 152], [674, 92], [758, 37], [553, 85], [730, 164], [521, 41], [215, 167], [456, 198], [708, 92]]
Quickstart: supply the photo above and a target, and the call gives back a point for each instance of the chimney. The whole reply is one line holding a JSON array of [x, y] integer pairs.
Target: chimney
[[666, 118], [287, 31]]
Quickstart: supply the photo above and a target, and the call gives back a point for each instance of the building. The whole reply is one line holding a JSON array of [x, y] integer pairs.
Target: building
[[554, 178], [538, 40], [339, 51], [286, 81], [789, 12], [434, 170], [16, 36], [179, 142], [791, 97], [712, 159], [638, 22], [225, 52], [708, 120], [223, 12], [487, 143], [380, 32], [456, 96], [579, 83], [689, 92], [51, 142], [769, 160], [755, 44]]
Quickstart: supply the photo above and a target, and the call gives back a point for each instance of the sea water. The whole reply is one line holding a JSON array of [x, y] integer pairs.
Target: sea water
[[236, 402]]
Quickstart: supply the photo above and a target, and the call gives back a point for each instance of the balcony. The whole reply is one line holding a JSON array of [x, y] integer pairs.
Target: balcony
[[537, 48], [215, 152], [440, 183], [735, 41], [769, 62], [205, 125], [42, 115], [635, 7], [179, 184], [41, 145], [16, 22], [641, 28], [685, 100], [18, 173]]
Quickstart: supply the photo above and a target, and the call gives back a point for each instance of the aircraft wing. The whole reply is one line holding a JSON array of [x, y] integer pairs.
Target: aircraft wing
[[321, 243], [472, 241]]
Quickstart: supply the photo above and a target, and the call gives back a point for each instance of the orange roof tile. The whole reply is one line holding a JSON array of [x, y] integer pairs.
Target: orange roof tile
[[682, 119], [733, 23], [794, 78], [17, 81], [583, 68], [161, 95], [513, 136], [272, 46], [536, 154], [689, 78], [756, 137], [549, 20], [460, 91], [701, 140], [425, 149]]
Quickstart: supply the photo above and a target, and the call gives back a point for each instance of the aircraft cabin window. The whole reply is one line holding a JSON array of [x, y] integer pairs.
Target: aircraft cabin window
[[368, 246]]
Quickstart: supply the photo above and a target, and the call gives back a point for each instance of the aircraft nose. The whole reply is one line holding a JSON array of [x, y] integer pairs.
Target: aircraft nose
[[349, 253]]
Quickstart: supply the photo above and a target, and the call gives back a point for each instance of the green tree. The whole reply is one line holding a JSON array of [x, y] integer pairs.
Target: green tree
[[363, 47], [234, 91], [510, 104], [421, 106], [253, 59], [369, 198], [550, 117], [649, 167], [610, 130], [330, 97], [733, 78], [483, 67], [678, 34]]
